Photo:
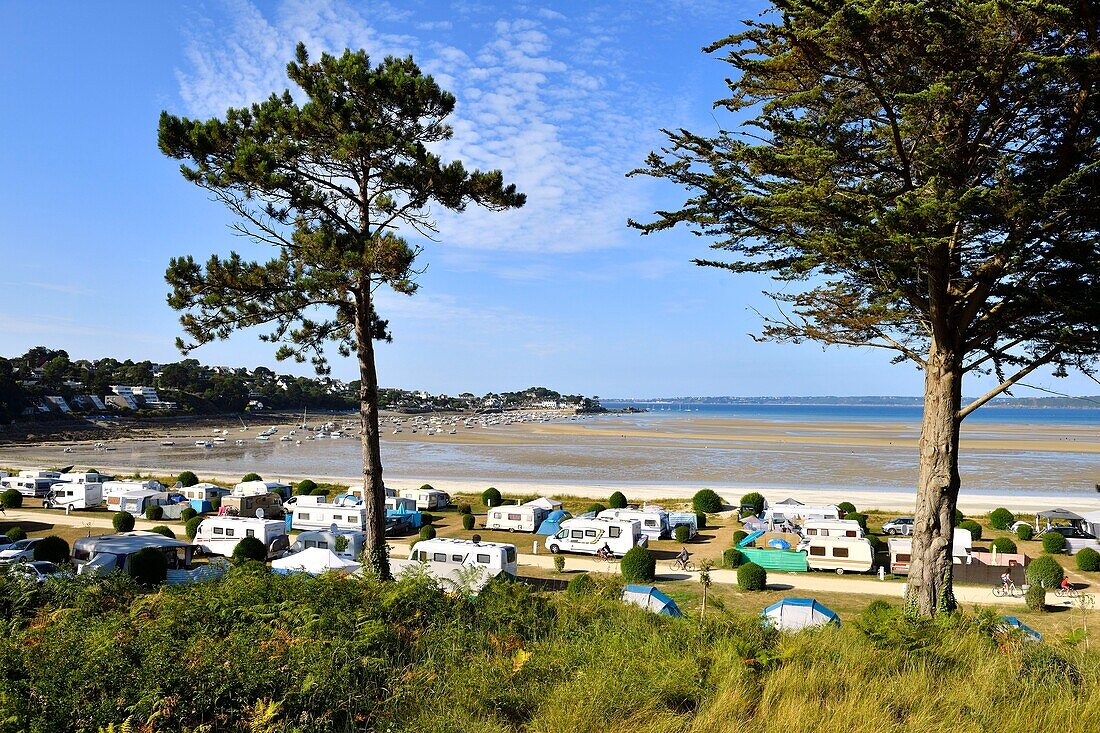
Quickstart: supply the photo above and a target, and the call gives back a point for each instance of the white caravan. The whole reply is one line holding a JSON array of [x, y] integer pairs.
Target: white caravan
[[220, 535], [255, 488], [832, 528], [136, 502], [35, 473], [101, 554], [77, 496], [325, 540], [654, 521], [358, 492], [799, 513], [85, 478], [428, 498], [113, 491], [525, 518], [32, 487], [586, 536], [324, 516], [496, 557], [841, 554], [400, 504], [901, 551]]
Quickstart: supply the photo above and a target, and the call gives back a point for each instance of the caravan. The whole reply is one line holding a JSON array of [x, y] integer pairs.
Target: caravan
[[114, 490], [525, 518], [654, 522], [587, 535], [832, 528], [319, 515], [77, 496], [220, 535], [136, 502], [842, 554], [102, 554], [325, 540], [428, 499], [254, 488], [255, 505], [33, 487], [85, 478], [495, 557], [201, 497]]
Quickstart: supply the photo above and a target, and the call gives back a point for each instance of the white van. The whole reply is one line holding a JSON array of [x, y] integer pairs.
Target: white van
[[832, 528], [654, 521], [220, 535], [323, 516], [842, 554], [27, 486], [586, 536], [524, 518], [496, 557], [428, 498], [77, 496]]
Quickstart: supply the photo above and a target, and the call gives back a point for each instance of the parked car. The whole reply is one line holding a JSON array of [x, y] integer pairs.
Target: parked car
[[38, 571], [398, 526], [1070, 533], [899, 525], [18, 551]]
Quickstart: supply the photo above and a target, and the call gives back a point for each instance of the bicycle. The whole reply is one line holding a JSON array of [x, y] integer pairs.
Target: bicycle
[[607, 557], [1011, 590], [682, 565], [1070, 592]]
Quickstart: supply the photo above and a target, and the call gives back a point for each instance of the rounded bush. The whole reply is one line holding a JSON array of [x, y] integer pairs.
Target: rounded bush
[[164, 530], [249, 548], [464, 509], [14, 534], [638, 565], [707, 501], [731, 558], [53, 548], [1036, 598], [559, 563], [1024, 532], [861, 518], [122, 521], [755, 500], [580, 585], [1045, 570], [681, 533], [490, 497], [738, 536], [188, 513], [1088, 560], [1003, 544], [617, 500], [149, 566], [305, 487], [467, 521], [846, 507], [476, 538], [319, 491], [427, 532], [1001, 518], [973, 527], [187, 478], [11, 499], [1054, 543], [596, 508], [700, 520], [426, 518], [154, 513], [751, 576], [958, 517], [191, 527], [252, 477]]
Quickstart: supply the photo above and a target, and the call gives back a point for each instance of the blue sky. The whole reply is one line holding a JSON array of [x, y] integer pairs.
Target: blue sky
[[564, 97]]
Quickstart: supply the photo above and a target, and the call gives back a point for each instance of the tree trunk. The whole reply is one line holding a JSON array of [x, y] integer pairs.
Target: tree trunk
[[929, 588], [374, 489]]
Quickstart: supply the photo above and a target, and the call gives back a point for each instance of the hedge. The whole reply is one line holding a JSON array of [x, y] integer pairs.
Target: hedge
[[754, 499], [580, 585], [1054, 543], [617, 500], [1003, 544], [681, 534], [191, 527], [467, 521], [1024, 532], [53, 549], [305, 487], [846, 507], [465, 509], [731, 558], [11, 499], [857, 517], [974, 528], [187, 478], [428, 532], [596, 508], [751, 576], [252, 477], [638, 565], [706, 501], [490, 497], [149, 566], [1036, 598], [738, 536], [1088, 560], [154, 513], [1001, 518], [164, 530], [1046, 570], [123, 521], [188, 513]]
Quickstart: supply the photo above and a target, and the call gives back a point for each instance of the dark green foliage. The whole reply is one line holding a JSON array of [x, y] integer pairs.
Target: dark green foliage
[[490, 497], [427, 487], [731, 558], [249, 548], [1024, 532], [187, 478], [617, 501], [319, 491], [1001, 518], [638, 565], [877, 543], [215, 504], [149, 566], [426, 518], [251, 477], [164, 530], [751, 576], [858, 517], [559, 563], [706, 501], [1054, 543], [846, 507], [464, 509], [755, 500], [580, 585], [973, 527], [958, 517], [738, 536], [305, 487], [467, 521], [595, 508], [15, 534], [1046, 570], [11, 499], [52, 548], [187, 514], [1036, 598], [1003, 544], [700, 521], [123, 521], [1088, 560], [681, 533], [154, 513], [191, 527], [427, 532]]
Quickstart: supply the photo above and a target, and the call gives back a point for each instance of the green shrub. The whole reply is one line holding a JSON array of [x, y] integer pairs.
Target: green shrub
[[681, 533], [751, 576], [958, 517], [1054, 543], [319, 491], [1001, 518], [731, 558], [580, 585], [249, 548], [188, 513], [559, 563], [164, 530], [53, 549], [1088, 560], [1024, 532], [154, 513], [187, 478], [465, 509], [215, 504], [877, 543], [1036, 598], [490, 497], [1046, 570], [252, 477], [426, 518], [14, 534], [706, 501], [427, 532], [738, 536], [755, 500], [617, 500], [861, 518], [122, 521], [11, 499], [596, 508], [149, 566], [305, 487], [467, 521], [700, 520], [638, 565], [846, 507], [427, 487], [973, 527], [1003, 544], [191, 527]]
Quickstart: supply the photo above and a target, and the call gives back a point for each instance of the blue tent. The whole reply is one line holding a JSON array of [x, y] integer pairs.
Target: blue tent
[[794, 614], [1014, 623], [552, 524], [779, 544], [651, 599]]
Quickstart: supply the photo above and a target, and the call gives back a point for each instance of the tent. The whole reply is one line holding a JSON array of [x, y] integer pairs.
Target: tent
[[314, 561], [791, 502], [779, 544], [651, 599], [1056, 515], [794, 614], [1091, 522], [550, 505], [1011, 622], [552, 524], [750, 538]]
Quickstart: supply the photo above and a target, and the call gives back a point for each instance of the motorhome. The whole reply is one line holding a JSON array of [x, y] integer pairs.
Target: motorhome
[[101, 554], [587, 535], [326, 540], [77, 496], [136, 502], [840, 554], [901, 550], [428, 499], [113, 491], [320, 515], [220, 535], [85, 478], [201, 497], [496, 557], [31, 487], [255, 505], [525, 518], [252, 488], [654, 521], [832, 528]]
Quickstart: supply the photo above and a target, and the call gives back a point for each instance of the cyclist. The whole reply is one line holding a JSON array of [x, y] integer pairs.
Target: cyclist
[[682, 558], [1067, 586], [604, 553], [1006, 580]]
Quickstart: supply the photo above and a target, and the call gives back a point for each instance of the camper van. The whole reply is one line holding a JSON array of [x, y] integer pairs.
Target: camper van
[[526, 518], [654, 521], [842, 554], [102, 554], [201, 496], [32, 487], [832, 528], [220, 535], [319, 515], [428, 499], [255, 505], [587, 535], [496, 557], [901, 550], [113, 491], [253, 488], [77, 496], [325, 540]]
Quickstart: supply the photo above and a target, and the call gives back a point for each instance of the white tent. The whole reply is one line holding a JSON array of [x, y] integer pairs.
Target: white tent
[[1090, 522], [550, 505], [314, 560], [794, 614]]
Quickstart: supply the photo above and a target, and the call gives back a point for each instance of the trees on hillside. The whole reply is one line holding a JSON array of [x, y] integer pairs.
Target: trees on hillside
[[920, 178]]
